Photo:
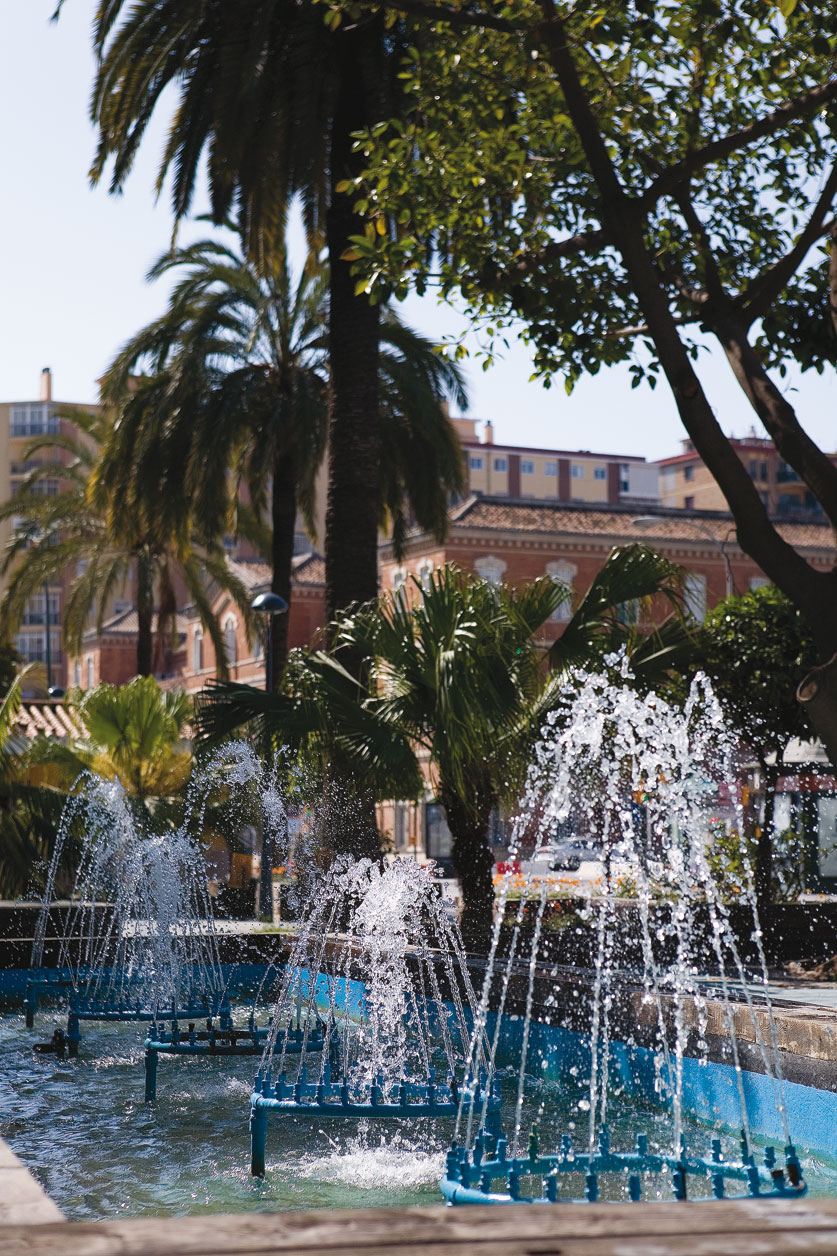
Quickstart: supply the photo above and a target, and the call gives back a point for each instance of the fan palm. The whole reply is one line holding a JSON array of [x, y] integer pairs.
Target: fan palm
[[459, 677], [133, 733], [29, 813], [271, 93], [239, 380], [107, 547]]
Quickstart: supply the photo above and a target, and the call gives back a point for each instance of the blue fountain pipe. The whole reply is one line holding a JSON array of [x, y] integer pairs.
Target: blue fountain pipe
[[331, 1099], [150, 1073], [258, 1139], [457, 1186], [42, 985]]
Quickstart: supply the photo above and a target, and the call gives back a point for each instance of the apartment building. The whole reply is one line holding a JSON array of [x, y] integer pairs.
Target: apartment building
[[38, 639], [550, 475], [687, 484]]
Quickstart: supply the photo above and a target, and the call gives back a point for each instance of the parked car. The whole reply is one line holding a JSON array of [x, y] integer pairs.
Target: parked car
[[565, 856]]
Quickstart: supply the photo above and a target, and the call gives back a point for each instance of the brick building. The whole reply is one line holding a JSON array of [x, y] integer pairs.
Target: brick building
[[189, 662], [517, 541]]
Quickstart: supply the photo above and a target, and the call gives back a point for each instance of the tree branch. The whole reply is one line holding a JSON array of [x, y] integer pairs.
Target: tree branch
[[456, 17], [813, 466], [722, 147], [759, 295], [622, 219], [523, 267]]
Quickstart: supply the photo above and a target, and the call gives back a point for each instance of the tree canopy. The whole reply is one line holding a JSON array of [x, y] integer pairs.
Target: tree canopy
[[628, 179]]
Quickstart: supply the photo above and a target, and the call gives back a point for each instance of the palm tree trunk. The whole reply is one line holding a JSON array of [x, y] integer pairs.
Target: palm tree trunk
[[283, 512], [474, 863], [351, 534], [145, 616]]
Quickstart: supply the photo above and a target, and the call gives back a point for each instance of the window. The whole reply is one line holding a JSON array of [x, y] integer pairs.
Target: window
[[628, 612], [688, 503], [89, 671], [437, 836], [669, 474], [425, 573], [31, 646], [527, 466], [578, 470], [501, 464], [399, 580], [563, 573], [230, 640], [600, 473], [759, 582], [550, 467], [35, 419], [40, 488], [475, 462], [77, 673], [197, 651], [35, 611], [82, 565], [490, 569], [695, 598], [689, 472]]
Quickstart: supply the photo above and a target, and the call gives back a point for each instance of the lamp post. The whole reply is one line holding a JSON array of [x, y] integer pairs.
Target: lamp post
[[268, 605], [649, 521]]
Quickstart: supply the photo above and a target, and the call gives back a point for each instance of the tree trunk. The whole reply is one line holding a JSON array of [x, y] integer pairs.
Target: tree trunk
[[145, 617], [283, 512], [474, 864], [351, 533]]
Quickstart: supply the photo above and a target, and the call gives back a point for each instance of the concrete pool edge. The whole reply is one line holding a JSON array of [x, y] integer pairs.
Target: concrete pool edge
[[23, 1201]]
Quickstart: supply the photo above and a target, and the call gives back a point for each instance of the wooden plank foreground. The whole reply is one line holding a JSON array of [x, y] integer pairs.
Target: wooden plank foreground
[[746, 1228]]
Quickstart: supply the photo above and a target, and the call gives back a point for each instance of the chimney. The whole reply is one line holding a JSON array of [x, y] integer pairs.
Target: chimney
[[488, 433], [46, 384]]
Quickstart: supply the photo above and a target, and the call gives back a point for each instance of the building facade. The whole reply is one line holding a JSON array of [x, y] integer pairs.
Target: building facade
[[551, 475], [685, 483], [38, 639]]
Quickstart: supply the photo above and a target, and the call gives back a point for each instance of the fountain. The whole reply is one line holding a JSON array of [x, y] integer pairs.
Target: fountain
[[381, 1045], [632, 774], [139, 942], [376, 1019]]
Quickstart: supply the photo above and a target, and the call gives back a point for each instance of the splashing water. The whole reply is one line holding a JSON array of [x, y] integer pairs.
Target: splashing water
[[633, 776]]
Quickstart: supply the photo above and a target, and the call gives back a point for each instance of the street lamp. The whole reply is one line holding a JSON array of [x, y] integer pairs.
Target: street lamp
[[650, 521], [268, 605]]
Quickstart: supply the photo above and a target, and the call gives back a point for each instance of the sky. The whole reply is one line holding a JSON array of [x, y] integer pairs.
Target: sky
[[74, 260]]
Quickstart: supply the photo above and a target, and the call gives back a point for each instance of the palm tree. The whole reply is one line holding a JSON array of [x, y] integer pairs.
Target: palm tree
[[108, 547], [29, 813], [272, 94], [460, 676], [133, 733], [239, 380]]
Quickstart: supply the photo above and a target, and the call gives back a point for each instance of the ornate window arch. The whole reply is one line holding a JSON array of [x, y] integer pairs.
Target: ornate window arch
[[231, 639], [490, 568], [197, 650], [424, 571], [563, 573]]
